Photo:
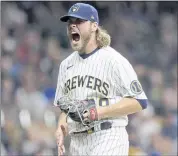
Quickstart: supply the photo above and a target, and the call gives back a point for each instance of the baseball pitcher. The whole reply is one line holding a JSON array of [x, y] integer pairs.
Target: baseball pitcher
[[97, 88]]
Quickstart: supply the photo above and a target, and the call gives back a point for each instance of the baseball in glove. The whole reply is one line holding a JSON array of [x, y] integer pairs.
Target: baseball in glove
[[83, 111]]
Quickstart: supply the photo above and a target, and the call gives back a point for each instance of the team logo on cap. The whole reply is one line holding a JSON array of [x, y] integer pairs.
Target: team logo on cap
[[75, 8], [92, 17]]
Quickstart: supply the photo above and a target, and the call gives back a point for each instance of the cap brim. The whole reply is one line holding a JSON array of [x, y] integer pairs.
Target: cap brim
[[65, 18]]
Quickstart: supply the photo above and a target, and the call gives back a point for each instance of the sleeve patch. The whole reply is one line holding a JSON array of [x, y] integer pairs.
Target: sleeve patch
[[136, 87]]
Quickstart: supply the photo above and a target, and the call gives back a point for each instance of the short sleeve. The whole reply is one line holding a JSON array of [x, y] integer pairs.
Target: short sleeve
[[60, 85], [126, 80]]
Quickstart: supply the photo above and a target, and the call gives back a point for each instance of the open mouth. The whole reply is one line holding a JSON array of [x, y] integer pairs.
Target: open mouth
[[75, 36]]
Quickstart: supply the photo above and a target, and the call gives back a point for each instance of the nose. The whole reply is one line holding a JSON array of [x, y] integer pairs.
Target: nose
[[72, 25]]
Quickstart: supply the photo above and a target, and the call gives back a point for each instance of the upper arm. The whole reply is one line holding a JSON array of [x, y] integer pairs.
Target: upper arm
[[126, 79]]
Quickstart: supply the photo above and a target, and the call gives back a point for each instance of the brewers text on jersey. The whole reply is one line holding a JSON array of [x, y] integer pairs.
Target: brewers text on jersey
[[88, 82]]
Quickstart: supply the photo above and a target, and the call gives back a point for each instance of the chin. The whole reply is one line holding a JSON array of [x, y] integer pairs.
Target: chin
[[76, 47]]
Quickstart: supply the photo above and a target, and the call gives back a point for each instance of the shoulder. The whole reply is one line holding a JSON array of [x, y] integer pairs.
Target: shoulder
[[113, 54]]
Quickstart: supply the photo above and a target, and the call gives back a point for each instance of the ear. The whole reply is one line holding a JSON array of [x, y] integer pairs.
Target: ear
[[94, 26]]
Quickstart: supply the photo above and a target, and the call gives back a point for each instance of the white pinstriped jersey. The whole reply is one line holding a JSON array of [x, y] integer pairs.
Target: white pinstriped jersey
[[105, 74]]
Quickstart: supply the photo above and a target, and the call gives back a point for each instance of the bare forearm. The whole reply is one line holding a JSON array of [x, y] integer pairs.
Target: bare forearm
[[62, 124], [62, 118], [124, 107]]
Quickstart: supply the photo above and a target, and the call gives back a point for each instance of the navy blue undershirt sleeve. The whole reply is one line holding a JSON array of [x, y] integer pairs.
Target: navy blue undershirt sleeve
[[143, 103]]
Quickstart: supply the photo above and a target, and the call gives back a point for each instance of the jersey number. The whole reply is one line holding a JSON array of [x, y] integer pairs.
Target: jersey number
[[101, 101]]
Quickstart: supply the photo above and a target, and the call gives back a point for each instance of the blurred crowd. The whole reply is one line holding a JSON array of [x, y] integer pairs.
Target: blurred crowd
[[34, 42]]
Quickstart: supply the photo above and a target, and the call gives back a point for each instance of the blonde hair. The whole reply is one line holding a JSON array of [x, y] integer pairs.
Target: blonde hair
[[103, 39]]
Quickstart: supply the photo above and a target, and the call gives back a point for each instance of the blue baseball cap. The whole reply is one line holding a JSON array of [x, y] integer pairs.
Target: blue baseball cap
[[82, 11]]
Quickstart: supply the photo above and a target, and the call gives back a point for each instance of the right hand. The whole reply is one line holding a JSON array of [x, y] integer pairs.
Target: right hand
[[61, 132]]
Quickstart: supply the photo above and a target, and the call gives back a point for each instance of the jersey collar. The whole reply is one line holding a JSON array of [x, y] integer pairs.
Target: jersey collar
[[84, 56]]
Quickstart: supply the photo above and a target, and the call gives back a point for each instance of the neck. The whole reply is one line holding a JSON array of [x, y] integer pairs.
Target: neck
[[90, 48], [92, 45]]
